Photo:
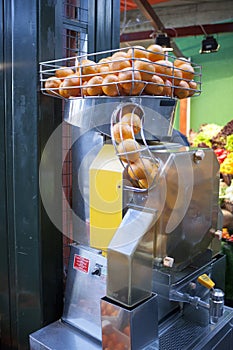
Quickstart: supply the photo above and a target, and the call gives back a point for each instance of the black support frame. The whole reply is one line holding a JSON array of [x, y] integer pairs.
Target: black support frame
[[31, 269], [31, 246]]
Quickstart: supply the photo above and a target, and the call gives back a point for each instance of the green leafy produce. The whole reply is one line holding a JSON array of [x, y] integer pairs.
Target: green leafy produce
[[222, 191], [229, 144], [211, 130], [220, 140], [206, 133], [200, 139]]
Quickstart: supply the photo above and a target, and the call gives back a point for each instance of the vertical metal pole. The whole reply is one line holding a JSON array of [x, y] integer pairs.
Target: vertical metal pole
[[103, 25], [5, 326], [31, 248]]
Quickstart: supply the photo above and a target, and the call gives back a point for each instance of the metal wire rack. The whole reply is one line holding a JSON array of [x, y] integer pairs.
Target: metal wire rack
[[142, 167], [123, 72], [75, 38]]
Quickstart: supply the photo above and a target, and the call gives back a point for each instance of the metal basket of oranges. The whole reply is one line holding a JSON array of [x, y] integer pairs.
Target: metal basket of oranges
[[133, 71]]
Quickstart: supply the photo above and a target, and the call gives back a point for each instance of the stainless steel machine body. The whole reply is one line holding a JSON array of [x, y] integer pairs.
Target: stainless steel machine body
[[183, 224], [85, 286]]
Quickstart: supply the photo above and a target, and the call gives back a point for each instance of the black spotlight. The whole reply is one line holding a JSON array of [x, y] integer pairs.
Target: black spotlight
[[209, 44], [163, 40]]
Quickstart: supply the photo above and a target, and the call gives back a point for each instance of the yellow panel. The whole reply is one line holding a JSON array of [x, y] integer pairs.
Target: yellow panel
[[106, 175]]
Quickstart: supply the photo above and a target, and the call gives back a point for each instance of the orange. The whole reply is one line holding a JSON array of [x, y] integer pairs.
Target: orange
[[119, 63], [109, 85], [70, 87], [119, 346], [176, 76], [104, 340], [133, 120], [104, 71], [157, 53], [187, 71], [143, 183], [63, 72], [52, 85], [122, 132], [164, 68], [126, 330], [144, 66], [62, 91], [182, 90], [179, 61], [84, 89], [137, 52], [168, 89], [104, 62], [87, 69], [131, 81], [141, 169], [148, 180], [156, 86], [103, 65], [193, 86], [128, 150], [94, 86], [119, 54]]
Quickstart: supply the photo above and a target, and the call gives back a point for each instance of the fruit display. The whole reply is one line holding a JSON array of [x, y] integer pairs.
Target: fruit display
[[130, 71], [223, 137], [205, 135], [220, 139]]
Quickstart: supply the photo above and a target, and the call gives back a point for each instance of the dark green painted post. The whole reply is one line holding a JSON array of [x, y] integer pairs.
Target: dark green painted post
[[31, 247], [103, 25]]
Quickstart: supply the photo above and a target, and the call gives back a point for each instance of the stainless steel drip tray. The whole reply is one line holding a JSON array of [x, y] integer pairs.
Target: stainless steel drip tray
[[174, 334], [181, 334]]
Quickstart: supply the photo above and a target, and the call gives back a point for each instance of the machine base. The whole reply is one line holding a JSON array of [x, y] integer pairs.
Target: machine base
[[174, 334]]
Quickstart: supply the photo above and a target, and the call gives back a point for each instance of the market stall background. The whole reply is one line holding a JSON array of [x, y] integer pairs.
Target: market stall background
[[31, 249]]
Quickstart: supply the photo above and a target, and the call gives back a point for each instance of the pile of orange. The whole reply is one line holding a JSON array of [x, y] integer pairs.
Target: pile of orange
[[108, 309], [113, 341], [133, 72], [141, 170]]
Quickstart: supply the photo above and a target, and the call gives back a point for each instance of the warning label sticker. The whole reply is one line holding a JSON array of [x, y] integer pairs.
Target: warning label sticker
[[80, 263]]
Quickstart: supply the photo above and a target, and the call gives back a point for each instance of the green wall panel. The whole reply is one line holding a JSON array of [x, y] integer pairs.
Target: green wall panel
[[215, 105]]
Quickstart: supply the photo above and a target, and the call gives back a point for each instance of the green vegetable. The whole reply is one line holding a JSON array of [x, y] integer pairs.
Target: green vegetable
[[207, 132], [201, 138], [211, 130], [222, 192], [229, 144]]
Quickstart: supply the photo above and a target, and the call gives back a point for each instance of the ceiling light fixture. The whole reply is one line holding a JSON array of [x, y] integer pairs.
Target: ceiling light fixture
[[209, 44], [164, 41]]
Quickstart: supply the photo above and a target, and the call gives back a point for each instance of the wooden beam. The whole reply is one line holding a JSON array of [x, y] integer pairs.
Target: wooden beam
[[176, 14], [148, 11], [183, 116], [181, 31]]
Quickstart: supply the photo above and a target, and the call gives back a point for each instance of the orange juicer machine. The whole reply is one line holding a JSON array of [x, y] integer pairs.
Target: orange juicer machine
[[145, 270]]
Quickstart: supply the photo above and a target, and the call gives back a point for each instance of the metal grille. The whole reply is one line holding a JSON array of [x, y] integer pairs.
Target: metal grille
[[75, 43], [76, 10], [75, 20], [180, 336]]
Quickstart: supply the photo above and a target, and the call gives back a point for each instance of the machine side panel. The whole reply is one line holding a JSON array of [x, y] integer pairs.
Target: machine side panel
[[106, 198]]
